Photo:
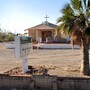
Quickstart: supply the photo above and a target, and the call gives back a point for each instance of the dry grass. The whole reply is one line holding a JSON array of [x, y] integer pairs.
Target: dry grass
[[59, 62]]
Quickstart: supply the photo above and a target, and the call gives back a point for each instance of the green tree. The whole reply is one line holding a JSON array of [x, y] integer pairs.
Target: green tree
[[2, 36], [9, 37], [75, 22]]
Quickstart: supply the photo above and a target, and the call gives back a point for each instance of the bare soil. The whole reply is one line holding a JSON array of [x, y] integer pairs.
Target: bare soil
[[60, 62]]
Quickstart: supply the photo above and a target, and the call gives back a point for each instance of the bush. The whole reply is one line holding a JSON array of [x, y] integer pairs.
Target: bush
[[1, 40], [9, 37]]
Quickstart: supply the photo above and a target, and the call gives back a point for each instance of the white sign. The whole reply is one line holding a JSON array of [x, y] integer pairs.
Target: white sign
[[23, 44]]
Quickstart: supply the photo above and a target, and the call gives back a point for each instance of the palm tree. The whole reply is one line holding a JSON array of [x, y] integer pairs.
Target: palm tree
[[75, 22]]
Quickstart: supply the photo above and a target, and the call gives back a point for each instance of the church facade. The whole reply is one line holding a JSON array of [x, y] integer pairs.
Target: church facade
[[45, 32], [42, 32]]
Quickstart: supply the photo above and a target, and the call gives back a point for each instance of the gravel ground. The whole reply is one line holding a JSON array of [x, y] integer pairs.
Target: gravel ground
[[60, 62]]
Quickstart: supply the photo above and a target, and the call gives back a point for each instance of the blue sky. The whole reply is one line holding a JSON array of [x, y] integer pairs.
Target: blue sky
[[17, 15]]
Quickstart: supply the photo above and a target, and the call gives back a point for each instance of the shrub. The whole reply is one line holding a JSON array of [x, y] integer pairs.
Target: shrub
[[1, 40], [9, 37]]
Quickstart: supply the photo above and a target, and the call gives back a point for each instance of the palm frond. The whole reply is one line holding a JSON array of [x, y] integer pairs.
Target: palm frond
[[76, 4], [88, 3], [67, 10], [70, 21], [88, 8], [84, 3], [88, 14]]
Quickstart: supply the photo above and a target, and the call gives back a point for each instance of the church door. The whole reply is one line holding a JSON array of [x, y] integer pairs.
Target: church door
[[46, 34]]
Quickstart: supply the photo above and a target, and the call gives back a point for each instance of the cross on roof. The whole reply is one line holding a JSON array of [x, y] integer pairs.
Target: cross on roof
[[46, 17]]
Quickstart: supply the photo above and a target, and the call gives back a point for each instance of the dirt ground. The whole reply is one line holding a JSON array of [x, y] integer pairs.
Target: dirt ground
[[60, 62]]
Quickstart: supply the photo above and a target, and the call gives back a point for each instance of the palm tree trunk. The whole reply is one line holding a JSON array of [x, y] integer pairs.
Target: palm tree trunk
[[85, 61]]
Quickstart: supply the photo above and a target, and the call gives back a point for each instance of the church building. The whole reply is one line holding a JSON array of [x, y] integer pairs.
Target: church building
[[44, 32]]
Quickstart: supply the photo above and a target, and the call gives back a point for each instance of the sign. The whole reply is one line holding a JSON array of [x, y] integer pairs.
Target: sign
[[23, 44]]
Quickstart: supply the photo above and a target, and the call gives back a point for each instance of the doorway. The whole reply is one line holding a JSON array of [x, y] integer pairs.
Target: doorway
[[46, 34]]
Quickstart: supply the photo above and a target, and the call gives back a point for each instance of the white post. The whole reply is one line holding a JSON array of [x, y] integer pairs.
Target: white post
[[37, 35], [24, 65], [40, 39], [52, 35], [46, 40]]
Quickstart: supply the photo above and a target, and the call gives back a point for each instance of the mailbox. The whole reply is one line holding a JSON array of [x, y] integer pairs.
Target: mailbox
[[23, 44]]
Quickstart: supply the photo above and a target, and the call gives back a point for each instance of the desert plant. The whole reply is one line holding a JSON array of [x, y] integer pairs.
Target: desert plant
[[9, 37], [74, 22]]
